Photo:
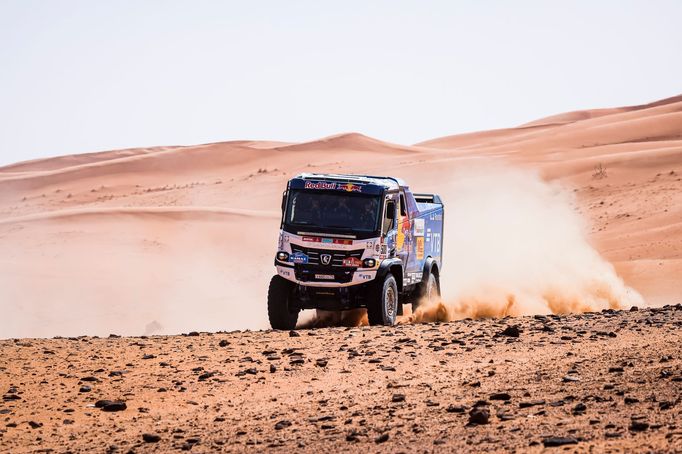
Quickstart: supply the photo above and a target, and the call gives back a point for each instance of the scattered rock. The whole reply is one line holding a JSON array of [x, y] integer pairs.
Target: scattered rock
[[479, 415], [223, 343], [500, 396], [151, 438], [398, 398], [531, 403], [455, 409], [111, 405], [552, 442], [283, 424], [638, 426], [381, 438], [579, 409], [511, 331], [293, 333]]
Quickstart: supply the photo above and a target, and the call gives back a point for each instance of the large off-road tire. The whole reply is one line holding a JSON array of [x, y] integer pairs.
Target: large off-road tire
[[427, 292], [383, 308], [280, 311]]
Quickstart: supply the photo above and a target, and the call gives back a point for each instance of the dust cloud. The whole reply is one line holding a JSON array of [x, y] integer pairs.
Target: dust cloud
[[516, 245]]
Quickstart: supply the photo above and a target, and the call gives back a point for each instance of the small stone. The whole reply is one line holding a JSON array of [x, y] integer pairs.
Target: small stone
[[479, 415], [531, 403], [85, 389], [273, 369], [223, 343], [193, 333], [398, 398], [455, 409], [89, 379], [206, 376], [500, 396], [511, 331], [570, 379], [579, 409], [35, 425], [293, 333], [558, 441], [283, 424], [639, 426], [151, 438], [149, 356], [381, 438], [321, 362], [116, 405], [613, 370]]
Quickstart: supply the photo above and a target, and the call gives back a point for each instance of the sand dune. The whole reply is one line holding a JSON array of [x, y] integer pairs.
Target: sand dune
[[98, 228]]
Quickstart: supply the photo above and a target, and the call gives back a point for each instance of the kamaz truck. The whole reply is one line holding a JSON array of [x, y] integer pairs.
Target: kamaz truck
[[351, 241]]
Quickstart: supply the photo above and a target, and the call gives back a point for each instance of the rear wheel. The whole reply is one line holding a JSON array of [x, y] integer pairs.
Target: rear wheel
[[428, 292], [280, 311], [384, 307]]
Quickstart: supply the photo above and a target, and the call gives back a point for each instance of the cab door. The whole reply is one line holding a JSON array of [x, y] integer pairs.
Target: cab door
[[404, 238]]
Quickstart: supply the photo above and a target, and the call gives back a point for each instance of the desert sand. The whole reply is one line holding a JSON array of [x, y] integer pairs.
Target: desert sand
[[595, 382], [120, 241], [168, 240]]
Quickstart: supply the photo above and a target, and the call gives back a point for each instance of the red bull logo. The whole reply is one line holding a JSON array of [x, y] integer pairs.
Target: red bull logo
[[319, 185], [350, 187]]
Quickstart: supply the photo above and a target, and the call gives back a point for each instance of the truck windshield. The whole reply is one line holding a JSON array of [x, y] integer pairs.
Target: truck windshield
[[333, 210]]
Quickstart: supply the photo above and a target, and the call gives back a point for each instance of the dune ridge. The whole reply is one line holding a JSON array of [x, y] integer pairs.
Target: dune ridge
[[623, 166]]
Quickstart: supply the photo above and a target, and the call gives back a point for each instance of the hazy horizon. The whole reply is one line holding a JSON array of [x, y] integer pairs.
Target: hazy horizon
[[84, 76]]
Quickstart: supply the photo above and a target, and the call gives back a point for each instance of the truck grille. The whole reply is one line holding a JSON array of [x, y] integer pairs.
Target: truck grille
[[337, 257]]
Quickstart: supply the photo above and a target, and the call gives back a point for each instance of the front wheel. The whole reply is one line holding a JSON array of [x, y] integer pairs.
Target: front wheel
[[384, 307], [280, 311], [428, 292]]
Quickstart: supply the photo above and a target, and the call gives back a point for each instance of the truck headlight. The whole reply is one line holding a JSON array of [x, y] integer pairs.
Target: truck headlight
[[282, 256], [369, 263]]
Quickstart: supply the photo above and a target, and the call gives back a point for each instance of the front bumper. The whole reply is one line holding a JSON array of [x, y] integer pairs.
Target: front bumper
[[307, 279]]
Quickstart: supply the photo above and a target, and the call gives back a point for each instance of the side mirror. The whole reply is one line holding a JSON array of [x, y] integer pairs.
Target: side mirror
[[284, 201]]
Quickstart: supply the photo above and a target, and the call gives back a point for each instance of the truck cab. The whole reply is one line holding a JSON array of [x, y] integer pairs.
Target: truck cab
[[352, 241]]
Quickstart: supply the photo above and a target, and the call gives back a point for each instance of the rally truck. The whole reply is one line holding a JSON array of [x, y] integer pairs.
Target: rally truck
[[352, 241]]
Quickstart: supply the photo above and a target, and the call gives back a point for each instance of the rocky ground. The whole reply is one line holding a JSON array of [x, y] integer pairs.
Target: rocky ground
[[609, 381]]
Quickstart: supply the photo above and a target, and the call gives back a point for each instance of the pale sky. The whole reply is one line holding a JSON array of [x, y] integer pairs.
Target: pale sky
[[82, 76]]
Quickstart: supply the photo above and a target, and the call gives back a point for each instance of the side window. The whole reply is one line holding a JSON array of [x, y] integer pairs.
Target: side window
[[403, 206], [389, 217]]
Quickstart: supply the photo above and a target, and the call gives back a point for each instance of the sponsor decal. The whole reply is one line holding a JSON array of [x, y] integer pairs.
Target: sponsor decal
[[352, 261], [298, 257], [349, 187], [436, 243], [365, 277], [317, 239], [319, 185], [419, 227], [323, 185], [420, 247]]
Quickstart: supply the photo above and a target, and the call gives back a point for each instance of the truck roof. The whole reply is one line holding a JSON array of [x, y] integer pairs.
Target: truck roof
[[387, 182]]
